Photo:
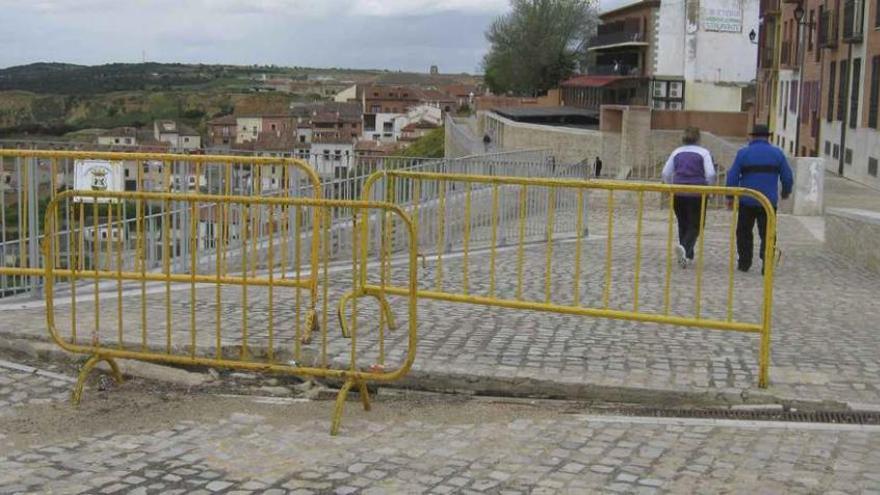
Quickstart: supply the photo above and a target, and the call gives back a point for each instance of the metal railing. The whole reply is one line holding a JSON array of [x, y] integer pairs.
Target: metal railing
[[614, 70], [512, 256], [616, 38], [37, 177]]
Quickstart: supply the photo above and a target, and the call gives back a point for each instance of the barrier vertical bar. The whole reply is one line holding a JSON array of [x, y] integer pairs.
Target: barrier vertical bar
[[140, 255], [666, 301], [638, 267], [166, 252], [578, 248], [467, 235], [120, 233], [34, 225], [767, 307], [245, 256], [492, 254], [551, 221], [271, 288], [699, 288], [297, 250], [520, 246], [193, 268], [730, 273], [441, 235], [606, 294], [96, 267]]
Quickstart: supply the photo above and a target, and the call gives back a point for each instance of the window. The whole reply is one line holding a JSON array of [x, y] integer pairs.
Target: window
[[302, 139], [660, 89], [186, 140], [127, 172], [116, 140], [832, 73], [877, 14], [812, 22], [847, 156], [872, 167], [836, 153], [874, 100], [273, 127], [827, 148], [854, 95], [667, 95], [841, 90], [793, 97]]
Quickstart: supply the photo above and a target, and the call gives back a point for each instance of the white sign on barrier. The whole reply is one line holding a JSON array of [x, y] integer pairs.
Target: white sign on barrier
[[98, 175]]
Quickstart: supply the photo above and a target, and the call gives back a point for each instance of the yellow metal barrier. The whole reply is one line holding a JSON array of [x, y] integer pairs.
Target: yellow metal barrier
[[34, 177], [665, 302], [230, 308]]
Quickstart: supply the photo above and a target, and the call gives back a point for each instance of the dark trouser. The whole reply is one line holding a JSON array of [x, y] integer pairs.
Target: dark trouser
[[744, 234], [599, 170], [687, 212]]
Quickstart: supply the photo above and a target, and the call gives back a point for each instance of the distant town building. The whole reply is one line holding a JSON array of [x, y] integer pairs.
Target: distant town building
[[435, 70], [178, 136], [221, 132]]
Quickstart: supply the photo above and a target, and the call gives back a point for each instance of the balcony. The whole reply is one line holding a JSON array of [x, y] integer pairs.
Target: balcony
[[769, 7], [788, 55], [828, 31], [853, 21], [615, 38], [614, 70]]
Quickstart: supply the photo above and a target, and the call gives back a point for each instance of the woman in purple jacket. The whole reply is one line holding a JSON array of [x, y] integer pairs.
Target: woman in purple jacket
[[689, 164]]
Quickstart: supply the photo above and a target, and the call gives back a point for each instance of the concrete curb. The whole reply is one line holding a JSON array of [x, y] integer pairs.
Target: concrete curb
[[467, 384]]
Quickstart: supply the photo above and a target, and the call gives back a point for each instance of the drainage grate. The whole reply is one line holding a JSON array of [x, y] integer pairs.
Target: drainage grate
[[836, 417]]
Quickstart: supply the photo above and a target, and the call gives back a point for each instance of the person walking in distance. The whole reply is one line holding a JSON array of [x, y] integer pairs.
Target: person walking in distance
[[759, 166], [690, 164], [598, 166]]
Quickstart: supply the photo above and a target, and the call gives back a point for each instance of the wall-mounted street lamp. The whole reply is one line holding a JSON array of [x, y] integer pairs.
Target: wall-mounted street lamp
[[753, 37]]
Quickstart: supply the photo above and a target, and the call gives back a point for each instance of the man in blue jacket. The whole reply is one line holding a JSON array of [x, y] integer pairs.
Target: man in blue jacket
[[759, 166]]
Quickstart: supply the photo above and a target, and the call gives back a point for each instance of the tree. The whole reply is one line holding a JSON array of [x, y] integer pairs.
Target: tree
[[537, 44]]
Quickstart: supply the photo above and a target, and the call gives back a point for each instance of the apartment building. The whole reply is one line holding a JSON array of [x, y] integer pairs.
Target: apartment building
[[672, 54], [819, 81]]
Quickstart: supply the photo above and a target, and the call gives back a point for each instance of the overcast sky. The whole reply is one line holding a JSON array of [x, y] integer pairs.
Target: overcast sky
[[383, 34]]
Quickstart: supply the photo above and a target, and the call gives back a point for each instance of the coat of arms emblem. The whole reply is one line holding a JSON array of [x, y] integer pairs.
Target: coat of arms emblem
[[98, 177]]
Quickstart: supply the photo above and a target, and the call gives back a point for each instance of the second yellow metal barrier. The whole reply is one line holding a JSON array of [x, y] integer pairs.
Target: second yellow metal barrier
[[507, 210]]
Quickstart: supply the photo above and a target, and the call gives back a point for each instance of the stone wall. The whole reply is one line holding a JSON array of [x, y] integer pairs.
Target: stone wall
[[629, 148], [569, 145], [854, 234]]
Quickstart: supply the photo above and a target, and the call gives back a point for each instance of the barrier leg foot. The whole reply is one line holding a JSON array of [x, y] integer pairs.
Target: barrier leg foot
[[87, 368], [365, 395], [340, 404]]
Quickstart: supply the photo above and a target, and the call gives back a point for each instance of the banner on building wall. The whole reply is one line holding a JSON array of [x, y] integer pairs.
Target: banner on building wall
[[724, 17]]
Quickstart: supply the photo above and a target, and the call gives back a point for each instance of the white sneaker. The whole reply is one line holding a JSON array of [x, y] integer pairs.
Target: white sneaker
[[682, 259]]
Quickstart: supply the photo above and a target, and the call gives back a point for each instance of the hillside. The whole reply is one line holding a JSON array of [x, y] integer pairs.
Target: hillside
[[55, 98]]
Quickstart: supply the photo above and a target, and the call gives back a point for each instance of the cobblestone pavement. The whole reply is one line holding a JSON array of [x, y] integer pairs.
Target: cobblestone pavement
[[824, 344], [130, 441], [25, 385]]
